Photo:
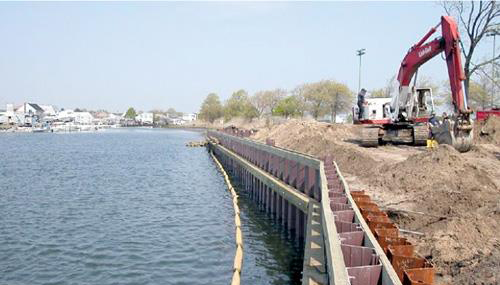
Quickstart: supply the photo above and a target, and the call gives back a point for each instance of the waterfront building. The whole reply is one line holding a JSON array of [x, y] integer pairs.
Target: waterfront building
[[82, 118], [10, 117], [31, 109], [144, 118], [189, 117]]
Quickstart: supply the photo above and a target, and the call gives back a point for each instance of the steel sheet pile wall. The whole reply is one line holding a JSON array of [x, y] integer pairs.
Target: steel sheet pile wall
[[299, 171], [364, 258], [353, 255], [362, 262], [411, 268]]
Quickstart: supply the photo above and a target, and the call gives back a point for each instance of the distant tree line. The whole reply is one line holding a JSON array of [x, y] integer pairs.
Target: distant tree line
[[326, 97]]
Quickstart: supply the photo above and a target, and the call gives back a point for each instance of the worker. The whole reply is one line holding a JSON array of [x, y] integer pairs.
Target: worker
[[361, 103], [445, 117], [433, 120]]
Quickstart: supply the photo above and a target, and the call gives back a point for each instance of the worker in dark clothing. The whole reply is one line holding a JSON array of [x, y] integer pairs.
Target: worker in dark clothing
[[361, 103], [433, 120]]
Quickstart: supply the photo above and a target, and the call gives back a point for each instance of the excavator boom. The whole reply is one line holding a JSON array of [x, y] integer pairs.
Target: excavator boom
[[405, 123], [422, 52]]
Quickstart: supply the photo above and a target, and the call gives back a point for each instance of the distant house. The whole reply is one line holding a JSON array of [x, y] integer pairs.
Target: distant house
[[10, 117], [82, 118], [65, 115], [29, 108], [145, 118], [189, 117], [30, 113], [49, 110], [112, 119]]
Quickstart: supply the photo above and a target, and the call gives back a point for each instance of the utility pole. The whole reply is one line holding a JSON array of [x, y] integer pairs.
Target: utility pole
[[359, 53], [493, 34]]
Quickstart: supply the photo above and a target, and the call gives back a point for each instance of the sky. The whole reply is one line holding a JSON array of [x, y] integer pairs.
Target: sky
[[156, 55]]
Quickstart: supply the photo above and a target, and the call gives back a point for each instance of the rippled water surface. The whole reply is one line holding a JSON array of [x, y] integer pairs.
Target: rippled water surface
[[127, 207]]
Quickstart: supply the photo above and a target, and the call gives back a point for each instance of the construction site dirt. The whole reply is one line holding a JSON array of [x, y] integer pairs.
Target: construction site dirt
[[447, 203]]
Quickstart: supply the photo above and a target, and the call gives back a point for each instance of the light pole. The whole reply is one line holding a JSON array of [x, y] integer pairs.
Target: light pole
[[493, 33], [359, 53]]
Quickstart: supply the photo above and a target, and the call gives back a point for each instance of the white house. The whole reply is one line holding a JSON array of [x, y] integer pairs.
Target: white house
[[49, 110], [144, 118], [189, 117], [112, 119], [29, 109], [82, 118], [11, 117], [65, 115]]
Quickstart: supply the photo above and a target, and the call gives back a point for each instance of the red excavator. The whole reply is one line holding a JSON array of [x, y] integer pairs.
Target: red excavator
[[404, 119]]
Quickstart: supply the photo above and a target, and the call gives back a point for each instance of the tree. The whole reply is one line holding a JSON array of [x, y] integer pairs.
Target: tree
[[211, 109], [171, 112], [266, 101], [479, 98], [387, 91], [327, 96], [239, 105], [476, 19], [340, 98], [440, 92], [315, 95], [288, 107], [131, 113], [379, 93]]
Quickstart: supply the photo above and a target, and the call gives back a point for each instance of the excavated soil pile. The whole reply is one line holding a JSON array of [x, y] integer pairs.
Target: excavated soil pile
[[459, 200], [489, 132], [453, 199], [319, 139]]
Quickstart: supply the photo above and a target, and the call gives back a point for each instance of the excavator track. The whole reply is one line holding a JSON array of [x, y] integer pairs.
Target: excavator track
[[369, 137], [420, 135]]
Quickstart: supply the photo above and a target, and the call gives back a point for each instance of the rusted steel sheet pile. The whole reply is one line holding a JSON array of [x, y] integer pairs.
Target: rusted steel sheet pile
[[410, 268], [362, 262]]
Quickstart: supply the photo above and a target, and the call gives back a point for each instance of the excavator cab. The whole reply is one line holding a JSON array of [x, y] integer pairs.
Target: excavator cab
[[425, 102]]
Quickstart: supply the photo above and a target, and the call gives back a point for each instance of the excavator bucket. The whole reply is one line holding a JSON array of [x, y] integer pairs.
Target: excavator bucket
[[454, 133], [442, 133]]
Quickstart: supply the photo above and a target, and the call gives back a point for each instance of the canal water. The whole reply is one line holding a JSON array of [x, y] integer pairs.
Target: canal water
[[127, 206]]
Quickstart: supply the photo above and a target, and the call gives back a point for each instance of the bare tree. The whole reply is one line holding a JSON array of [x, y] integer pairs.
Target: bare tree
[[387, 91], [476, 19], [479, 97], [266, 101]]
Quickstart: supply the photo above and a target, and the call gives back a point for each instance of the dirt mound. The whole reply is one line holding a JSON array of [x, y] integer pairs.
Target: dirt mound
[[461, 198], [300, 129], [489, 132], [319, 139], [452, 198]]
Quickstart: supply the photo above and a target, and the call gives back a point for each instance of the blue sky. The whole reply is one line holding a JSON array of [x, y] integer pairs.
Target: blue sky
[[113, 55]]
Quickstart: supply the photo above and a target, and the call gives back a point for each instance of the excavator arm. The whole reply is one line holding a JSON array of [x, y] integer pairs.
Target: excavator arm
[[460, 130]]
